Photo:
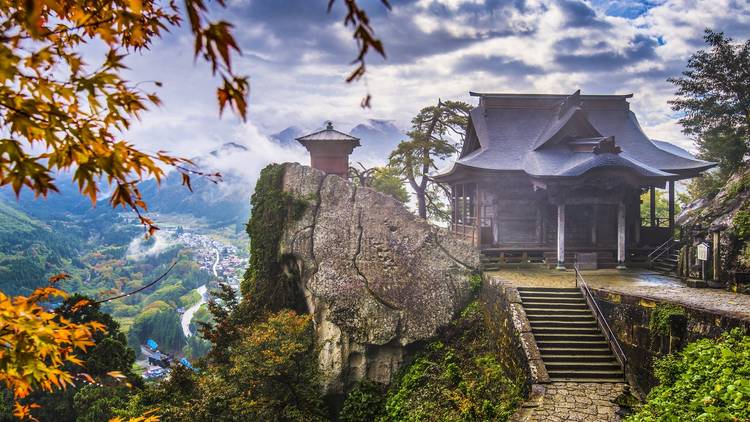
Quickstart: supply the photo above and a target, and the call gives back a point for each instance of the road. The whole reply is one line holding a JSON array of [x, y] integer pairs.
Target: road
[[187, 317]]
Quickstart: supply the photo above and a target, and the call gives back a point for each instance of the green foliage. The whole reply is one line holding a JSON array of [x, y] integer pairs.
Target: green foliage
[[475, 283], [741, 223], [659, 321], [162, 324], [364, 403], [437, 133], [662, 205], [458, 379], [196, 347], [708, 381], [267, 285], [110, 352], [712, 98], [387, 180], [94, 403], [272, 375]]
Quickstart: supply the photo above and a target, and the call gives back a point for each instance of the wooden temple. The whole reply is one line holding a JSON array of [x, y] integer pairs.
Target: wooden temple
[[546, 177]]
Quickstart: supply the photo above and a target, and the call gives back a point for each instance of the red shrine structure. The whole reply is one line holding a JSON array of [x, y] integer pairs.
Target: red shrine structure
[[330, 149]]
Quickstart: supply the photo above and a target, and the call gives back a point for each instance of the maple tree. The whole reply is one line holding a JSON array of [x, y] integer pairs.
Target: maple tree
[[58, 112], [37, 344]]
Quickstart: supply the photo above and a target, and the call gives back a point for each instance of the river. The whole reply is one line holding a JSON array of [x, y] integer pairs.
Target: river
[[187, 317]]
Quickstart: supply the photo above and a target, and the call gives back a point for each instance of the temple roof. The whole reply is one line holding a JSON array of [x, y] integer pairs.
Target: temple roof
[[327, 134], [556, 135]]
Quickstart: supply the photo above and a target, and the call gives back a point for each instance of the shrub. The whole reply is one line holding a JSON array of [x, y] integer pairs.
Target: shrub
[[460, 378], [708, 381], [659, 322], [364, 403]]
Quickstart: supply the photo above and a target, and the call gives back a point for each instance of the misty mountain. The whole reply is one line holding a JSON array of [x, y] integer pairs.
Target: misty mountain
[[377, 138], [219, 202], [288, 136]]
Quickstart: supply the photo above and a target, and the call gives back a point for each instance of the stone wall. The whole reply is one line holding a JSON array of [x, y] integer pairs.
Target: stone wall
[[629, 317], [511, 329], [377, 279]]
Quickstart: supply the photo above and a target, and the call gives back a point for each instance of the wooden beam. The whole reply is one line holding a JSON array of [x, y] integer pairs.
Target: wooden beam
[[716, 256], [621, 229], [671, 208], [652, 206], [561, 237]]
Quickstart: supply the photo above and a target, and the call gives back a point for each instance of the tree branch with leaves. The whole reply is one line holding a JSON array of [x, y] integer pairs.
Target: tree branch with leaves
[[437, 134], [57, 112]]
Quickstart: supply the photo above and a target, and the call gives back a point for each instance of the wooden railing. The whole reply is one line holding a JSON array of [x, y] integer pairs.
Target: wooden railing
[[601, 321]]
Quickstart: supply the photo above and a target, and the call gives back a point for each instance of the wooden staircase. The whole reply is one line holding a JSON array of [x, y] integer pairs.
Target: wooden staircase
[[572, 347]]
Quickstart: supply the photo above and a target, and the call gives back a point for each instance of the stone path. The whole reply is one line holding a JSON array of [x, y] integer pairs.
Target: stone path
[[567, 401], [637, 283]]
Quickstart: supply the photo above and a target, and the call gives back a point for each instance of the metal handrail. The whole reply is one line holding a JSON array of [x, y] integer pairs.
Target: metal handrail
[[600, 320], [662, 249]]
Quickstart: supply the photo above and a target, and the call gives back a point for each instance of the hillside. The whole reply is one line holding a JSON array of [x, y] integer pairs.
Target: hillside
[[30, 251]]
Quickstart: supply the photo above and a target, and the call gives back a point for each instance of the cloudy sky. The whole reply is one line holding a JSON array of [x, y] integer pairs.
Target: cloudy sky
[[298, 56]]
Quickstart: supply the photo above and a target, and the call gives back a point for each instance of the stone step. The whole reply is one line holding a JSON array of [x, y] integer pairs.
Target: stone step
[[586, 323], [546, 299], [558, 317], [574, 293], [555, 305], [548, 289], [582, 366], [579, 358], [545, 337], [590, 380], [585, 373], [557, 351], [545, 330], [536, 310], [573, 344]]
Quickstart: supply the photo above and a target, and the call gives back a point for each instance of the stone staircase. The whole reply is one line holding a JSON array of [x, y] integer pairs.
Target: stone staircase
[[572, 347], [667, 263]]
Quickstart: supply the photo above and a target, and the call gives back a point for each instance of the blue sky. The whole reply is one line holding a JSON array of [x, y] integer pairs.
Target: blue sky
[[298, 56]]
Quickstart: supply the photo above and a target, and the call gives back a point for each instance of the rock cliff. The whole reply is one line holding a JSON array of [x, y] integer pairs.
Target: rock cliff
[[376, 278]]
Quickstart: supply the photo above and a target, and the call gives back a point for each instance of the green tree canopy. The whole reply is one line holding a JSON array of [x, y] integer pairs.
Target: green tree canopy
[[437, 133], [713, 96]]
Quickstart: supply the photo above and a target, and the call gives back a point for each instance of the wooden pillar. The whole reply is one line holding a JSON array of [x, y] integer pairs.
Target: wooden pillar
[[594, 223], [621, 235], [561, 236], [671, 208], [652, 206], [454, 205], [716, 258]]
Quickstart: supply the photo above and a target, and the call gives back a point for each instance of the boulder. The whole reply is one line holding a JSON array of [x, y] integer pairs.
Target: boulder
[[376, 278]]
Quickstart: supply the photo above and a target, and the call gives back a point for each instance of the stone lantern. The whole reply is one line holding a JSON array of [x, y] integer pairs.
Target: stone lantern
[[330, 149]]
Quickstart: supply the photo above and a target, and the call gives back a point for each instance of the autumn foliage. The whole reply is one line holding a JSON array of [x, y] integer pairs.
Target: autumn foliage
[[37, 344]]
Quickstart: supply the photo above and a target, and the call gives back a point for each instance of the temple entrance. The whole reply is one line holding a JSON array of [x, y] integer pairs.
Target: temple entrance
[[591, 225]]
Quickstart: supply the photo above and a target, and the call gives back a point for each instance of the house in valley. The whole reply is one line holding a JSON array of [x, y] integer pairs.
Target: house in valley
[[542, 178]]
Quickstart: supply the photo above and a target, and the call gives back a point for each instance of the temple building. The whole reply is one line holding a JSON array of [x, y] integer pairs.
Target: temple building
[[544, 178]]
